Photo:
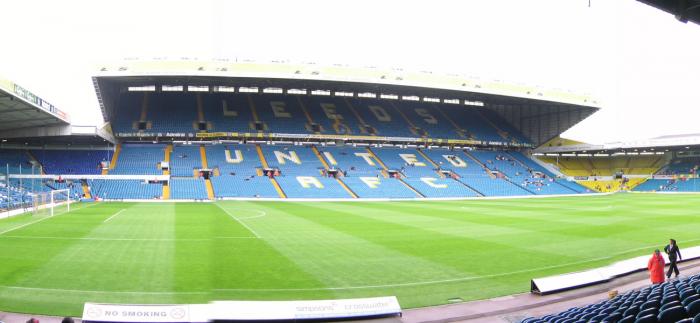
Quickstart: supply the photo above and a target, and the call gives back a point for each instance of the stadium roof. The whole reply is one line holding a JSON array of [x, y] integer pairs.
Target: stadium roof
[[663, 143], [683, 10], [539, 113], [21, 109]]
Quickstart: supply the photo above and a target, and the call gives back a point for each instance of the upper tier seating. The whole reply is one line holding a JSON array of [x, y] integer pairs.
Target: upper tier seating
[[606, 166], [228, 112], [297, 114], [16, 161], [672, 301], [72, 162], [281, 113], [184, 160], [681, 166], [383, 116], [139, 160]]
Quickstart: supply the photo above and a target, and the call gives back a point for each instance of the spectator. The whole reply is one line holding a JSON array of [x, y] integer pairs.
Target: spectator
[[656, 267], [67, 320], [674, 254]]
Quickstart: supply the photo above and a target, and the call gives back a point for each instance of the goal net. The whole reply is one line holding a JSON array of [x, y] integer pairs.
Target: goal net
[[52, 202]]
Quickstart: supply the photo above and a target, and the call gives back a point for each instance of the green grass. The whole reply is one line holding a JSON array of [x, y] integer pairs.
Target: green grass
[[423, 252]]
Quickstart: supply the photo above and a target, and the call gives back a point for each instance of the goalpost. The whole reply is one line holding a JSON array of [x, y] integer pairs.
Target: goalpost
[[52, 202]]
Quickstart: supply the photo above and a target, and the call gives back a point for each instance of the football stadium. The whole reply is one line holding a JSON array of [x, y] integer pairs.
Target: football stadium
[[231, 191]]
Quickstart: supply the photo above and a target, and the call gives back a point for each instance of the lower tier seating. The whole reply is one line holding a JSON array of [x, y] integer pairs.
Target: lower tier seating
[[243, 186], [311, 187], [670, 185], [125, 189], [672, 301], [188, 189]]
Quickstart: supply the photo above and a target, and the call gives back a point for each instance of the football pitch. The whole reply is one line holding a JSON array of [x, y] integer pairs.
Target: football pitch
[[424, 252]]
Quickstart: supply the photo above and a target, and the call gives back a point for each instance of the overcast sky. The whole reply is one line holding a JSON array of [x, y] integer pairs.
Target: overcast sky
[[639, 61]]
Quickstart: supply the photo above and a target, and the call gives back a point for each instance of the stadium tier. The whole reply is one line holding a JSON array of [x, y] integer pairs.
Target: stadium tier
[[681, 166], [670, 185], [139, 159], [289, 114], [607, 165], [673, 301], [295, 171], [69, 162]]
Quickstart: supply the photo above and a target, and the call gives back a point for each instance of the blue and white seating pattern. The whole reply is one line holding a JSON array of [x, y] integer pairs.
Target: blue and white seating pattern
[[188, 189], [672, 301], [72, 162], [139, 160], [124, 189], [184, 160]]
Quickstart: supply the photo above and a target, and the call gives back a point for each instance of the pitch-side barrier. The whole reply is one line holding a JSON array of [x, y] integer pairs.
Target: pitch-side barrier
[[245, 311], [560, 283]]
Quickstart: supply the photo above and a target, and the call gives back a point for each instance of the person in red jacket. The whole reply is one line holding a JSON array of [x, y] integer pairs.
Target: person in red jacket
[[656, 267]]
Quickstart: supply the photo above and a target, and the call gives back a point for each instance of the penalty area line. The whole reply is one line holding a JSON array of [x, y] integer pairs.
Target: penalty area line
[[239, 221], [113, 215]]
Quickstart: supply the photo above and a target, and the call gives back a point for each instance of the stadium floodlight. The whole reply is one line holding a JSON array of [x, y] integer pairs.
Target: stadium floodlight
[[172, 88], [197, 88], [297, 91], [367, 95], [245, 89], [389, 96], [273, 90], [347, 94], [451, 101], [429, 99], [228, 89], [474, 103], [410, 98], [321, 92], [145, 88]]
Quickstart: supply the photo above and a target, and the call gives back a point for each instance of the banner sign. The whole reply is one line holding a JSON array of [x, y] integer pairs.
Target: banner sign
[[261, 135], [243, 311], [290, 310], [144, 313], [39, 102]]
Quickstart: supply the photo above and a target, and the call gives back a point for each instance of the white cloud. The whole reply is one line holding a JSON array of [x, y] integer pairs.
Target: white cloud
[[636, 59]]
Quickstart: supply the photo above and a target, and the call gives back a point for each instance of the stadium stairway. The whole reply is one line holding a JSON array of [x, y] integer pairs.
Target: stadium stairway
[[325, 165], [35, 160], [166, 187], [412, 126], [113, 162], [254, 112], [205, 165], [274, 182], [432, 162], [381, 163], [86, 189], [309, 119]]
